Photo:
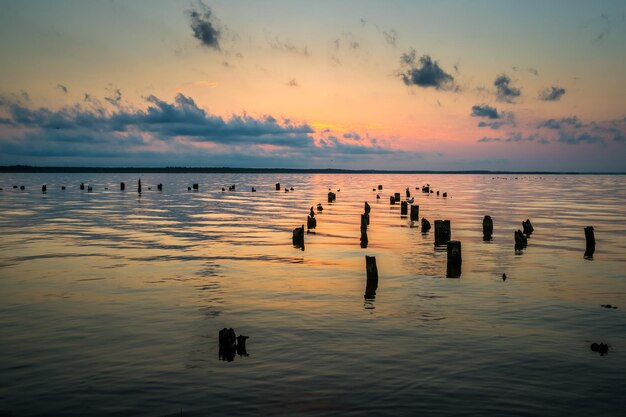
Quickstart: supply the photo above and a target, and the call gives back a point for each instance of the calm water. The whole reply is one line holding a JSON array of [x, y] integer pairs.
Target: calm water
[[110, 303]]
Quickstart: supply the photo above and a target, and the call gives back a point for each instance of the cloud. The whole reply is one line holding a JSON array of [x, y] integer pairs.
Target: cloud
[[572, 121], [293, 83], [424, 72], [516, 137], [62, 88], [533, 71], [504, 90], [485, 110], [551, 93], [576, 138], [115, 96], [286, 46], [204, 27], [390, 35]]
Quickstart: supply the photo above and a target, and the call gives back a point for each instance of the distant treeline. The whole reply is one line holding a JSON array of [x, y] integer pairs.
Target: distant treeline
[[227, 170]]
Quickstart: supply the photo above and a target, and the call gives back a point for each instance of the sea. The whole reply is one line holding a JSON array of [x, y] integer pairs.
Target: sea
[[111, 301]]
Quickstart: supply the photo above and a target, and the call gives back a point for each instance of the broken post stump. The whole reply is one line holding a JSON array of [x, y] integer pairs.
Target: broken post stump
[[195, 186], [331, 196], [396, 196], [408, 193], [44, 188], [253, 190], [372, 276], [445, 194], [520, 240], [311, 221], [403, 208], [227, 342], [367, 208], [392, 200], [425, 225], [320, 207], [442, 232], [487, 228], [415, 213], [122, 186], [590, 239], [298, 237], [380, 187], [277, 186], [426, 188], [82, 186], [160, 187], [528, 227], [454, 259]]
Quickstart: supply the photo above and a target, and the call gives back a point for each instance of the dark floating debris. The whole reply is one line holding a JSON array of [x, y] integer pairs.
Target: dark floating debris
[[229, 344], [286, 189], [503, 277], [298, 237], [372, 277], [521, 241], [22, 187], [15, 187], [425, 225], [223, 189], [188, 188], [437, 193], [89, 189], [487, 228], [149, 188], [528, 227], [601, 348], [454, 258], [590, 239], [608, 306], [426, 188], [442, 232]]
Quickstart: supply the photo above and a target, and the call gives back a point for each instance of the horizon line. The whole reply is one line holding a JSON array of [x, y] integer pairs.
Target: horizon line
[[252, 170]]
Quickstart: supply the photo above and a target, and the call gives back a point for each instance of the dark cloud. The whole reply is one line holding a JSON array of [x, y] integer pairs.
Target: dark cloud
[[62, 88], [577, 138], [551, 93], [485, 110], [516, 137], [573, 122], [504, 90], [286, 46], [424, 72], [204, 27], [114, 97]]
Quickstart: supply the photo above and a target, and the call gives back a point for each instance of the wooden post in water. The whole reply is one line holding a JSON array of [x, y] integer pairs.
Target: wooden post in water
[[487, 228], [277, 186], [139, 186], [442, 232], [454, 259], [396, 196], [415, 213], [408, 193], [528, 227], [520, 240], [82, 186], [331, 196], [380, 187], [364, 240], [44, 188], [298, 237], [195, 186], [372, 276], [392, 200], [425, 225], [160, 187], [227, 346], [590, 242], [403, 208], [122, 186]]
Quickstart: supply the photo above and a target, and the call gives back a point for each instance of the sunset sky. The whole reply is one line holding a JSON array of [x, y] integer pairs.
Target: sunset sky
[[415, 85]]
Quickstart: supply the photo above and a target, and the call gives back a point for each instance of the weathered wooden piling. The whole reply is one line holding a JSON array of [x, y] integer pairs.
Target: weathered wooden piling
[[364, 221], [437, 193], [195, 186], [372, 276], [442, 232], [241, 345], [426, 188], [82, 186], [396, 196], [63, 187], [331, 196], [320, 207], [22, 187], [277, 186], [415, 213], [487, 228], [367, 208], [392, 200], [528, 227], [139, 186], [311, 221], [298, 237], [425, 225], [454, 259], [520, 240], [89, 189], [122, 186], [380, 187], [403, 208], [44, 189], [445, 194], [364, 240], [590, 239], [160, 187], [253, 190], [408, 193], [377, 197], [227, 344]]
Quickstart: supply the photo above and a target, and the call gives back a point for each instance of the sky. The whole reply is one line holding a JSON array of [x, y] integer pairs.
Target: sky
[[402, 85]]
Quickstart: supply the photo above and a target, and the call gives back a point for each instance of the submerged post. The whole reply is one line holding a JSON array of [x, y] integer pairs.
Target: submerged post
[[44, 188], [160, 187], [122, 186], [415, 213], [590, 242], [298, 237], [487, 228], [82, 185], [442, 232], [372, 276], [454, 259], [403, 208]]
